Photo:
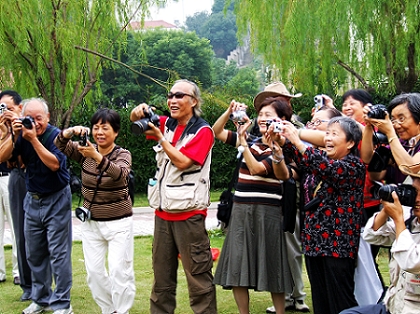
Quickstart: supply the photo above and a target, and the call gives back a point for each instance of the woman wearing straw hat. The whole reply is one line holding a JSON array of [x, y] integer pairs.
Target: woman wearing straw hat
[[254, 252]]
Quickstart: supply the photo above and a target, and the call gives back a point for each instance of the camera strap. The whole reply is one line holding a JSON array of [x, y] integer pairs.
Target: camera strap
[[98, 181]]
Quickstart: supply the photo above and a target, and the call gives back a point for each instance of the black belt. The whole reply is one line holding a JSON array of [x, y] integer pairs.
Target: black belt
[[4, 174], [37, 196]]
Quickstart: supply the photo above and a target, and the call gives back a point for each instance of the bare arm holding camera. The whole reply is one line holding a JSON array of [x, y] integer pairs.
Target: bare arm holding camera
[[47, 158], [385, 126], [151, 127], [219, 126]]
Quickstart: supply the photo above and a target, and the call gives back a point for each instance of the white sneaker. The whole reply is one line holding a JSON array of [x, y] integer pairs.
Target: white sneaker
[[288, 305], [64, 311], [301, 306], [34, 308], [270, 309]]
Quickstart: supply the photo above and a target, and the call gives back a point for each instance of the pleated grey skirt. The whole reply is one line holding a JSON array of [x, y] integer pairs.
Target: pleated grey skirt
[[254, 253]]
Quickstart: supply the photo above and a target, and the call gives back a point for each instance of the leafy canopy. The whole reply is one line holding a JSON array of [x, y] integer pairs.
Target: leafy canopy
[[335, 44], [38, 41]]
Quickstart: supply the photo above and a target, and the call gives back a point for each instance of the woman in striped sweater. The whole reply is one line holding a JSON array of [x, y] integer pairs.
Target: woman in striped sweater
[[109, 229], [254, 252]]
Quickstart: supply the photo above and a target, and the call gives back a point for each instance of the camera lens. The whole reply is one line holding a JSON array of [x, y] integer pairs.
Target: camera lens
[[140, 126], [385, 191], [27, 122], [377, 112]]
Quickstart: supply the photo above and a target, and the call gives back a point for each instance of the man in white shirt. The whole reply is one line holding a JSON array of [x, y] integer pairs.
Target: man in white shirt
[[391, 227]]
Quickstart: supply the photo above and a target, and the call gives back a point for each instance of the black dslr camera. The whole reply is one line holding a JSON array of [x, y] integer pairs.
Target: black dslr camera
[[83, 139], [377, 112], [381, 155], [140, 126], [27, 122], [406, 193]]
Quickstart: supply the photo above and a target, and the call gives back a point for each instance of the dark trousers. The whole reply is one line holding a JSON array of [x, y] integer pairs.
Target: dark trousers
[[17, 192], [332, 283], [188, 238], [48, 247]]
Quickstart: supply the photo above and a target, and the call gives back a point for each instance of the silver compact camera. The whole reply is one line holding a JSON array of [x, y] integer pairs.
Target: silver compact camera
[[319, 102], [83, 214], [3, 107], [277, 125], [238, 116]]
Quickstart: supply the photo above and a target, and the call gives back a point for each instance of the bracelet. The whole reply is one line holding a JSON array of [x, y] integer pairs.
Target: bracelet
[[277, 161], [162, 140], [302, 151], [392, 138], [277, 156]]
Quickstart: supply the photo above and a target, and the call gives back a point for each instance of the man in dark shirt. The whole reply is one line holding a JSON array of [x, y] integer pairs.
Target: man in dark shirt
[[17, 192], [47, 207]]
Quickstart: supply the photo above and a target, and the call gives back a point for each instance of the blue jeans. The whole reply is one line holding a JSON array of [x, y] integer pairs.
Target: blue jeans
[[48, 247]]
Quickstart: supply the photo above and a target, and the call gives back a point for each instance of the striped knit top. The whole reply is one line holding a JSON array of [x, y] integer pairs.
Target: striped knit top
[[257, 189], [111, 201]]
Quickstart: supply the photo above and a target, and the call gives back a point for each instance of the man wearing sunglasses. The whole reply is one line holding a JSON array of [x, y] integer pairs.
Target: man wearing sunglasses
[[180, 194], [392, 226]]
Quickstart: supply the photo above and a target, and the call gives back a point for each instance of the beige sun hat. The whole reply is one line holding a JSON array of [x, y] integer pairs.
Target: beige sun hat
[[411, 170], [273, 90]]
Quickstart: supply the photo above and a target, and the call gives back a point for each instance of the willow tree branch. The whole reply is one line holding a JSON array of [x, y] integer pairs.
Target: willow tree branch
[[353, 72], [120, 63]]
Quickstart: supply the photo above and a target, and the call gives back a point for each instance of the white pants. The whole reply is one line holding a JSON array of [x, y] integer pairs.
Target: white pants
[[5, 211], [113, 289]]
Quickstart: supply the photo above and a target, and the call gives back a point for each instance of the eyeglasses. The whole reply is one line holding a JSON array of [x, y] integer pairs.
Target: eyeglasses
[[315, 123], [178, 95], [399, 120]]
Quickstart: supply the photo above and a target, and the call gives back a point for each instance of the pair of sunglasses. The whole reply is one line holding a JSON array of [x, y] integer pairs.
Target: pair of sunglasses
[[178, 95]]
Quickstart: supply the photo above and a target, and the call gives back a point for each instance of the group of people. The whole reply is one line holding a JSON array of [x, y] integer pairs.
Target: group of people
[[335, 206]]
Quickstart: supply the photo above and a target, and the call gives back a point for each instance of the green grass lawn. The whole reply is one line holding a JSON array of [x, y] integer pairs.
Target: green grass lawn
[[83, 303]]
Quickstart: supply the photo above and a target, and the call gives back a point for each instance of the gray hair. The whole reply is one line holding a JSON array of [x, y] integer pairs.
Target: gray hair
[[412, 100], [41, 100], [351, 129], [196, 94]]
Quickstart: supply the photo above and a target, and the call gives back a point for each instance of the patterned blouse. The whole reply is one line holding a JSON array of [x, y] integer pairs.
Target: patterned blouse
[[332, 229]]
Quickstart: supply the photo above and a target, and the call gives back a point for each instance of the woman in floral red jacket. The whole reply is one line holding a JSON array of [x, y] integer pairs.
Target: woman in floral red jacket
[[332, 222]]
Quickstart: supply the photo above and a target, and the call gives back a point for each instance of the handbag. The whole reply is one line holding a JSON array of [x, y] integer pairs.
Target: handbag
[[289, 205], [224, 208]]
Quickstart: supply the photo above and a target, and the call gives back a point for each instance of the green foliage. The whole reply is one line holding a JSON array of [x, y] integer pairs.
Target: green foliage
[[244, 83], [222, 72], [38, 42], [161, 56], [219, 27], [320, 46]]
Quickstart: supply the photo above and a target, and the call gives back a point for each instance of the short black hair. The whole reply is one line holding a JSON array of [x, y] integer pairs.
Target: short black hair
[[17, 99], [107, 115], [360, 95], [280, 105]]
